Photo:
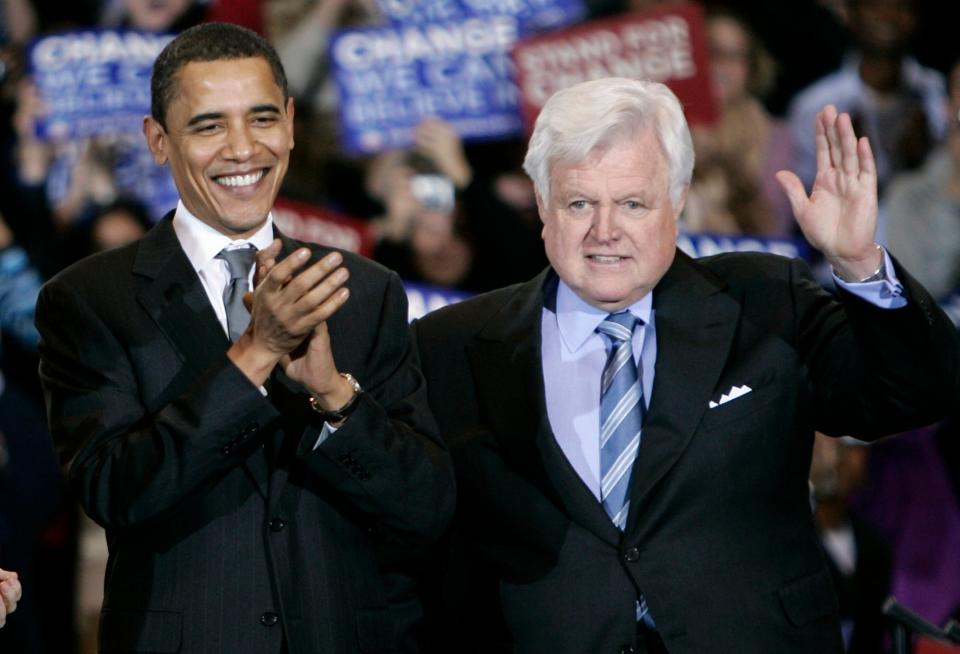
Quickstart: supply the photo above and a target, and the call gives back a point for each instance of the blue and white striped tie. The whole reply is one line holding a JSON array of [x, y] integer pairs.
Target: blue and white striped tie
[[621, 415]]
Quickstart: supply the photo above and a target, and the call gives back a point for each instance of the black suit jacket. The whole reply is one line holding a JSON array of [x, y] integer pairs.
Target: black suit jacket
[[720, 538], [225, 528]]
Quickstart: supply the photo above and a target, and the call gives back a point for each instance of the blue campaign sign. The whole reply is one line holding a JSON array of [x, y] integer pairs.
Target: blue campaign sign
[[391, 78], [446, 59], [704, 245], [532, 15], [424, 298], [94, 82]]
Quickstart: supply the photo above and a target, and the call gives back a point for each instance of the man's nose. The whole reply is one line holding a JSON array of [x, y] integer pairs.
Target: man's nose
[[240, 143], [604, 226]]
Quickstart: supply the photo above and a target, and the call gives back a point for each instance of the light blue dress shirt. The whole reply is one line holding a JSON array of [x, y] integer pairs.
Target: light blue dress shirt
[[573, 355]]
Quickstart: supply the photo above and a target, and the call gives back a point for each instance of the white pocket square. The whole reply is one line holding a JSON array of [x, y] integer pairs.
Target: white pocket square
[[732, 394]]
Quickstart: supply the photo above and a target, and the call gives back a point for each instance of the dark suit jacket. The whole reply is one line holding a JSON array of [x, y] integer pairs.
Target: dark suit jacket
[[720, 538], [225, 528]]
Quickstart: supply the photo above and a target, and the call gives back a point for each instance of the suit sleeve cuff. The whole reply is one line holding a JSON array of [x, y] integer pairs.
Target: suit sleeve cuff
[[886, 293]]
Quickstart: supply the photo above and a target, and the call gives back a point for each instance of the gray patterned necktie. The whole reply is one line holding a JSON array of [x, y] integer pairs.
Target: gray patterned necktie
[[239, 262]]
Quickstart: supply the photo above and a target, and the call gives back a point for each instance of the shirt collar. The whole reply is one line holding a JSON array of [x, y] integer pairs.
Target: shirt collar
[[202, 243], [578, 320]]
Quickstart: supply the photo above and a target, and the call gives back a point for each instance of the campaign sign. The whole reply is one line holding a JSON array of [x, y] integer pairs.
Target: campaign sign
[[424, 298], [705, 245], [306, 222], [663, 45], [135, 174], [532, 15], [94, 82], [391, 78]]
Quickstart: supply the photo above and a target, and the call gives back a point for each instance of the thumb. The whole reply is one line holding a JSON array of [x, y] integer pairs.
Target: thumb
[[266, 259], [793, 187]]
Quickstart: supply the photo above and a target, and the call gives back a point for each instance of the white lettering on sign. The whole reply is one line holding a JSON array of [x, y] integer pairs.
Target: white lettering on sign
[[412, 43], [92, 48]]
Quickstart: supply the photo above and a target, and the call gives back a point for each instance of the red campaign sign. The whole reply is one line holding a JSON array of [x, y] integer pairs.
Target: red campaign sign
[[664, 45], [930, 646], [307, 222]]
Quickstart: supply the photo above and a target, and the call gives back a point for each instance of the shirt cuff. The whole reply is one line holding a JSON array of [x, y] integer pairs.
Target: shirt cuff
[[886, 293], [324, 434]]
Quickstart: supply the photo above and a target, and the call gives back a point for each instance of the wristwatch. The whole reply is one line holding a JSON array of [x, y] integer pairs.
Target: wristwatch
[[341, 414]]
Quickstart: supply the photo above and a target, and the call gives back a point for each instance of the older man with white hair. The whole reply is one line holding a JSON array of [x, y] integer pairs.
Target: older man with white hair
[[632, 429]]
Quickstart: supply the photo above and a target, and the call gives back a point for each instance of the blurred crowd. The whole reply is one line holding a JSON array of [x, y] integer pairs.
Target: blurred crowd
[[464, 216]]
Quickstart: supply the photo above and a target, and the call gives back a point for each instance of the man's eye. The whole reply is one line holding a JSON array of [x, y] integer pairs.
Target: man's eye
[[264, 120], [208, 128], [578, 205], [633, 205]]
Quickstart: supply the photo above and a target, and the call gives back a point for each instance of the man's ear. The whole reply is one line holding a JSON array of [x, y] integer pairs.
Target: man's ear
[[156, 139], [541, 204], [682, 203]]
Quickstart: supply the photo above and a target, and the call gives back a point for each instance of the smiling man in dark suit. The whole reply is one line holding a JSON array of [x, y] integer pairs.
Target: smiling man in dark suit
[[632, 429], [256, 496]]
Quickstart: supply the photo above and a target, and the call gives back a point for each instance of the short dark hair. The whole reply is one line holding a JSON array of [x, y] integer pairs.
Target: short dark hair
[[207, 42]]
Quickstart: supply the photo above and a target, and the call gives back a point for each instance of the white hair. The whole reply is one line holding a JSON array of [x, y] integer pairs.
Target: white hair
[[577, 119]]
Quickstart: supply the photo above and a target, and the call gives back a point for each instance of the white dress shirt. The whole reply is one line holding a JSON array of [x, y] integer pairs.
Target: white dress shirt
[[202, 243]]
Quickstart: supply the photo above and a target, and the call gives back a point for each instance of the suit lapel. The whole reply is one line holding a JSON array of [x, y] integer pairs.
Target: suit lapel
[[176, 300], [505, 357], [695, 325]]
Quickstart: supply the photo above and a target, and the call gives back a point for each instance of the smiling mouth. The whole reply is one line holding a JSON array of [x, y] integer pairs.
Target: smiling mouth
[[238, 181]]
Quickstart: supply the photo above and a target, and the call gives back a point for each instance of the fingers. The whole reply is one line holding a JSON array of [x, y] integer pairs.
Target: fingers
[[10, 593], [849, 161], [321, 278], [837, 145], [868, 165], [296, 297], [828, 121], [793, 187], [822, 145], [283, 272], [266, 259]]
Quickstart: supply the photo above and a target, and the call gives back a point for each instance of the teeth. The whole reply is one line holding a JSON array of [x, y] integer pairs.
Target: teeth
[[605, 259], [240, 180]]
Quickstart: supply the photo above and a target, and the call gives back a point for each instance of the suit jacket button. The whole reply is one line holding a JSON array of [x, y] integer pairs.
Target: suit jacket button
[[227, 449], [277, 524], [632, 555], [269, 619], [628, 649]]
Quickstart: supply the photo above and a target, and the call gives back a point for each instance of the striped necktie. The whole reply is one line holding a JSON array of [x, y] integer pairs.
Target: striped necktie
[[621, 415]]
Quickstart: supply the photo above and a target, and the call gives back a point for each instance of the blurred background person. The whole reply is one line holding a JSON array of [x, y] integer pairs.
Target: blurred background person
[[894, 100], [30, 486], [922, 209], [450, 222], [422, 234], [153, 15], [320, 172], [858, 556], [734, 190]]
